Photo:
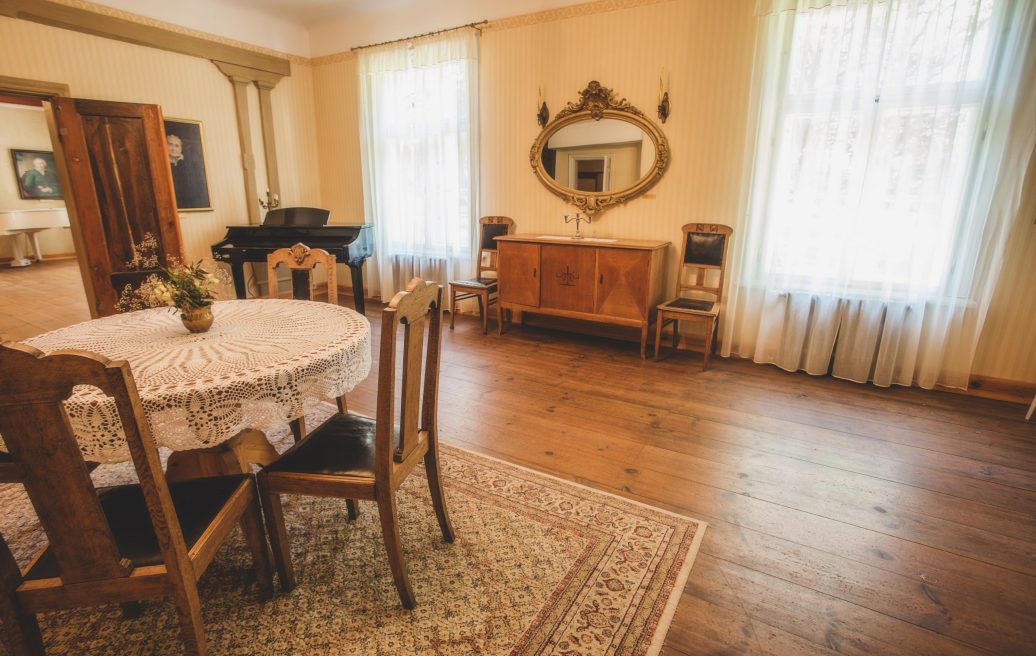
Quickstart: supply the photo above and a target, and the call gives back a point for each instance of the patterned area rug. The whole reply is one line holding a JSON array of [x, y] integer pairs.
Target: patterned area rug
[[540, 566]]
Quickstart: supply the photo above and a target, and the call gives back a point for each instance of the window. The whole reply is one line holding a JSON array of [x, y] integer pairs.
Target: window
[[874, 137]]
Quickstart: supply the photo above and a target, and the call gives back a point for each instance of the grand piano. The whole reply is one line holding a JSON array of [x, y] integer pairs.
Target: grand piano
[[29, 222], [285, 227]]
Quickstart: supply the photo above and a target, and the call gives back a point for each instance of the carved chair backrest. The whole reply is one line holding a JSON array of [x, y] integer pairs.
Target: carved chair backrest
[[418, 311], [490, 227], [302, 260], [704, 250], [50, 465]]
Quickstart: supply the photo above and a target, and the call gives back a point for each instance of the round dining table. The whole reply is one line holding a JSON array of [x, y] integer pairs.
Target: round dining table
[[262, 364]]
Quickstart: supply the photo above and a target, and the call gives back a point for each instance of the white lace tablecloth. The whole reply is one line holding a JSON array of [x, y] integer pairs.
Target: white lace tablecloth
[[261, 364]]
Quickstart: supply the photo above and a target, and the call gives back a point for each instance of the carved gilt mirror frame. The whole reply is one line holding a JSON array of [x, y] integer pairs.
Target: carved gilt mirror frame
[[597, 102]]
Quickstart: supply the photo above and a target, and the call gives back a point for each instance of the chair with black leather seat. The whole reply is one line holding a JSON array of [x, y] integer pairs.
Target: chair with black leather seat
[[703, 260], [111, 545], [356, 457], [482, 287]]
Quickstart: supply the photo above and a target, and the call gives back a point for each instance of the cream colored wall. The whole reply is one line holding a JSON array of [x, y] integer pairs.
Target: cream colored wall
[[336, 99], [704, 47], [185, 87], [25, 128]]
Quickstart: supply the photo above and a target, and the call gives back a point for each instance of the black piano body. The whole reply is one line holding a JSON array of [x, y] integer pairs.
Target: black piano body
[[350, 244]]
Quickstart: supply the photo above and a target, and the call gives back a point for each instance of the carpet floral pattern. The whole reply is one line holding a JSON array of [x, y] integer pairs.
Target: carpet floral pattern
[[540, 566]]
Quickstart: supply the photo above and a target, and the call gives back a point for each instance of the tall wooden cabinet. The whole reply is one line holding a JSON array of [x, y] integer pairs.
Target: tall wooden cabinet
[[617, 282]]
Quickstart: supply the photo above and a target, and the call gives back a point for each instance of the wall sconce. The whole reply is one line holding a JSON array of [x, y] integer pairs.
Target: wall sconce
[[271, 202], [663, 99], [542, 114]]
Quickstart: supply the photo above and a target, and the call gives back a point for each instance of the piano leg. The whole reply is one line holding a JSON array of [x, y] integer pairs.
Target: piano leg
[[237, 269], [357, 272]]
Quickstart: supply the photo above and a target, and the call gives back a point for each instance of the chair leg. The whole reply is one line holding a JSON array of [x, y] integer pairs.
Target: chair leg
[[298, 428], [431, 465], [353, 507], [499, 318], [453, 305], [278, 534], [483, 311], [659, 325], [394, 547], [343, 404], [252, 526], [709, 327], [676, 334], [20, 628], [188, 610]]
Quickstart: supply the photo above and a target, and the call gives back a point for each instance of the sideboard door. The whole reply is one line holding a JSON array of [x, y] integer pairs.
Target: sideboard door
[[622, 282], [519, 273], [568, 278]]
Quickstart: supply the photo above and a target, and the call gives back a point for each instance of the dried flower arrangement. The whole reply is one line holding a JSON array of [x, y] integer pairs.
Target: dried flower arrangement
[[186, 287]]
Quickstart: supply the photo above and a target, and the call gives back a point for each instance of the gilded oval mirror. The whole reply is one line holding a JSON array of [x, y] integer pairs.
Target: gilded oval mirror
[[599, 151]]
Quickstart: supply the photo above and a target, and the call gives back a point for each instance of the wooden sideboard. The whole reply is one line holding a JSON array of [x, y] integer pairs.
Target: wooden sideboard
[[617, 282]]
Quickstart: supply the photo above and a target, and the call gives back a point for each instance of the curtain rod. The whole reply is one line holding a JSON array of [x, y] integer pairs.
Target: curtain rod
[[418, 36]]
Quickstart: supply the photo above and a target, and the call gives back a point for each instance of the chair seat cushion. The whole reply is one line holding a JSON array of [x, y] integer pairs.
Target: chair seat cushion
[[197, 503], [341, 446], [692, 304], [488, 283]]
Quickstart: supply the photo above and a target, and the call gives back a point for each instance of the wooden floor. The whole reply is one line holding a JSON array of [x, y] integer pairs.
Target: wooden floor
[[843, 518], [40, 297]]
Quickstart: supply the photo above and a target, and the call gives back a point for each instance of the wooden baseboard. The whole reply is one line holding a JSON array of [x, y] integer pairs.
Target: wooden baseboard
[[4, 261], [1000, 389]]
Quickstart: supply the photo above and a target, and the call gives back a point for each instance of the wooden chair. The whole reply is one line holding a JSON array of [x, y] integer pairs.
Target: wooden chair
[[482, 287], [302, 260], [112, 545], [362, 458], [704, 251]]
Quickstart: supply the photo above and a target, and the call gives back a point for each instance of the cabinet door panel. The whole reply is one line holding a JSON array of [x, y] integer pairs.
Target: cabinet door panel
[[622, 282], [568, 278], [519, 266]]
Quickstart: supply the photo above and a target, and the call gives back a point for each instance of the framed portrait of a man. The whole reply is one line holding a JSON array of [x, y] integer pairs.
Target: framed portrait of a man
[[186, 148], [37, 175]]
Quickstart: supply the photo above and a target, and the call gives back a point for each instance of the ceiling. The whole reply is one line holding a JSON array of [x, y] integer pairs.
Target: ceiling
[[319, 27], [305, 12]]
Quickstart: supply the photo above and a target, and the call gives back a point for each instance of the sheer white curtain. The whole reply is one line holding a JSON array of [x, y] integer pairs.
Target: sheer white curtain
[[889, 146], [419, 149]]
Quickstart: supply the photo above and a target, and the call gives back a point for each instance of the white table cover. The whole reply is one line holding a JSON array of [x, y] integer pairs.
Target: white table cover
[[263, 363]]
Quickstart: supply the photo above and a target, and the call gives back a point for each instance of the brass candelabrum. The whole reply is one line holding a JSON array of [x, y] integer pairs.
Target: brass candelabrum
[[578, 219]]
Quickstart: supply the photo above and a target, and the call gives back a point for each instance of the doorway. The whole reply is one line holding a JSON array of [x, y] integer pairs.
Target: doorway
[[41, 287]]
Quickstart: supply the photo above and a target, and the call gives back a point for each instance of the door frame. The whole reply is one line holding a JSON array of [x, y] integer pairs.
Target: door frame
[[47, 91]]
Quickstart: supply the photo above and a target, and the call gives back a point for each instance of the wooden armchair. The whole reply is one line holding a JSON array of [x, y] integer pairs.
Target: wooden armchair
[[356, 457], [482, 287], [302, 260], [704, 253], [111, 545]]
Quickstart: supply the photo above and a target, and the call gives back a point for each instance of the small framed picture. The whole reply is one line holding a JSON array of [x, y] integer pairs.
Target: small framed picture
[[37, 174], [187, 161]]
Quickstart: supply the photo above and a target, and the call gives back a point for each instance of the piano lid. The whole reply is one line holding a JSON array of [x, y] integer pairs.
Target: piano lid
[[297, 216]]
